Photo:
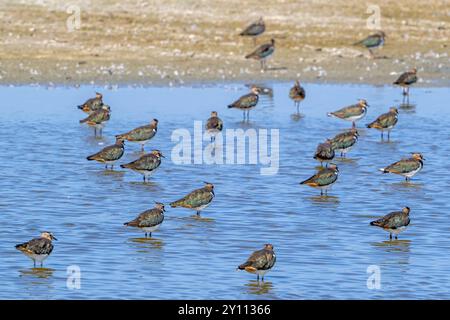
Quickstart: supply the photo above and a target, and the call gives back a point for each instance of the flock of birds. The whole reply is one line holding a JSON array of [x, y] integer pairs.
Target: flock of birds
[[261, 261]]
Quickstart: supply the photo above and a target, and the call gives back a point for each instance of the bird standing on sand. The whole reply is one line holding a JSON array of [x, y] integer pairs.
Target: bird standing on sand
[[385, 122], [323, 179], [262, 53], [297, 93], [247, 102], [324, 152], [394, 222], [406, 79], [373, 41], [110, 154], [197, 200], [406, 167], [351, 113], [97, 119], [38, 249], [254, 30], [214, 125], [146, 164], [149, 220], [92, 104], [344, 142], [141, 134], [260, 262]]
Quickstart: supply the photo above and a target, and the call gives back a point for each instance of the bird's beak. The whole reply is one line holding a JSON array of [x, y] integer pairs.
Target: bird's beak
[[162, 155], [55, 238]]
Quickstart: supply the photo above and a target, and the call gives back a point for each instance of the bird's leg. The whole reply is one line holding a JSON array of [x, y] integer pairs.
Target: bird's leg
[[198, 213], [390, 236], [257, 277], [42, 264], [144, 178], [149, 234], [321, 192], [262, 64], [396, 237], [371, 54], [248, 115], [244, 116], [34, 263], [262, 278], [142, 148], [389, 135], [146, 235], [95, 131], [254, 41], [353, 124], [298, 107]]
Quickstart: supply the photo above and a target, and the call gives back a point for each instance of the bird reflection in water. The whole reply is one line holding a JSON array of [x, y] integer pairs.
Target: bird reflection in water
[[259, 287]]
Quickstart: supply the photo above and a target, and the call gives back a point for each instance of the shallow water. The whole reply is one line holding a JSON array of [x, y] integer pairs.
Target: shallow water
[[324, 245]]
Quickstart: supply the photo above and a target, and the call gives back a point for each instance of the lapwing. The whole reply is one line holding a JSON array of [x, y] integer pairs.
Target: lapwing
[[385, 122], [373, 41], [92, 104], [344, 142], [406, 79], [110, 154], [298, 94], [146, 164], [260, 262], [262, 53], [254, 30], [323, 179], [247, 102], [197, 200], [214, 125], [38, 249], [394, 222], [98, 118], [406, 167], [351, 113], [149, 220], [324, 152], [142, 134]]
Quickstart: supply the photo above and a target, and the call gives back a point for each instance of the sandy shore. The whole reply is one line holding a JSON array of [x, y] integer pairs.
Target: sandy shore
[[182, 42]]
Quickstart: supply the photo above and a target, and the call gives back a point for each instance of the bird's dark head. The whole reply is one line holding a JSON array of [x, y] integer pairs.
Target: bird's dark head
[[209, 186], [272, 41], [382, 34], [98, 95], [333, 166], [160, 206], [406, 210], [48, 235], [354, 131], [213, 113], [255, 90], [414, 70], [106, 108], [393, 110], [157, 153], [268, 246], [363, 103], [120, 141], [154, 122], [418, 156]]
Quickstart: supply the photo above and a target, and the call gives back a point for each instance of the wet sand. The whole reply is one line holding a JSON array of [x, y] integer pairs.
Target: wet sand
[[184, 42]]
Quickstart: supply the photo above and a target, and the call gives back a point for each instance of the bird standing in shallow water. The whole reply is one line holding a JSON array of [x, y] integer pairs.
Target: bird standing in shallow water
[[297, 93], [38, 249], [406, 167], [149, 220], [262, 53], [373, 41], [110, 154], [394, 222], [92, 104], [406, 79], [324, 152], [142, 134], [197, 200], [97, 119], [214, 125], [247, 102], [344, 142], [254, 30], [260, 262], [323, 179], [385, 122], [351, 113], [146, 164]]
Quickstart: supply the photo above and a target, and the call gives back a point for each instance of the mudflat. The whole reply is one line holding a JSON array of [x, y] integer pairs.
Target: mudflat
[[183, 42]]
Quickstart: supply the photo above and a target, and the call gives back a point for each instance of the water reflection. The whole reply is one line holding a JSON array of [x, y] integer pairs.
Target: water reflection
[[259, 287], [393, 245], [297, 116], [327, 199], [39, 273], [147, 243]]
